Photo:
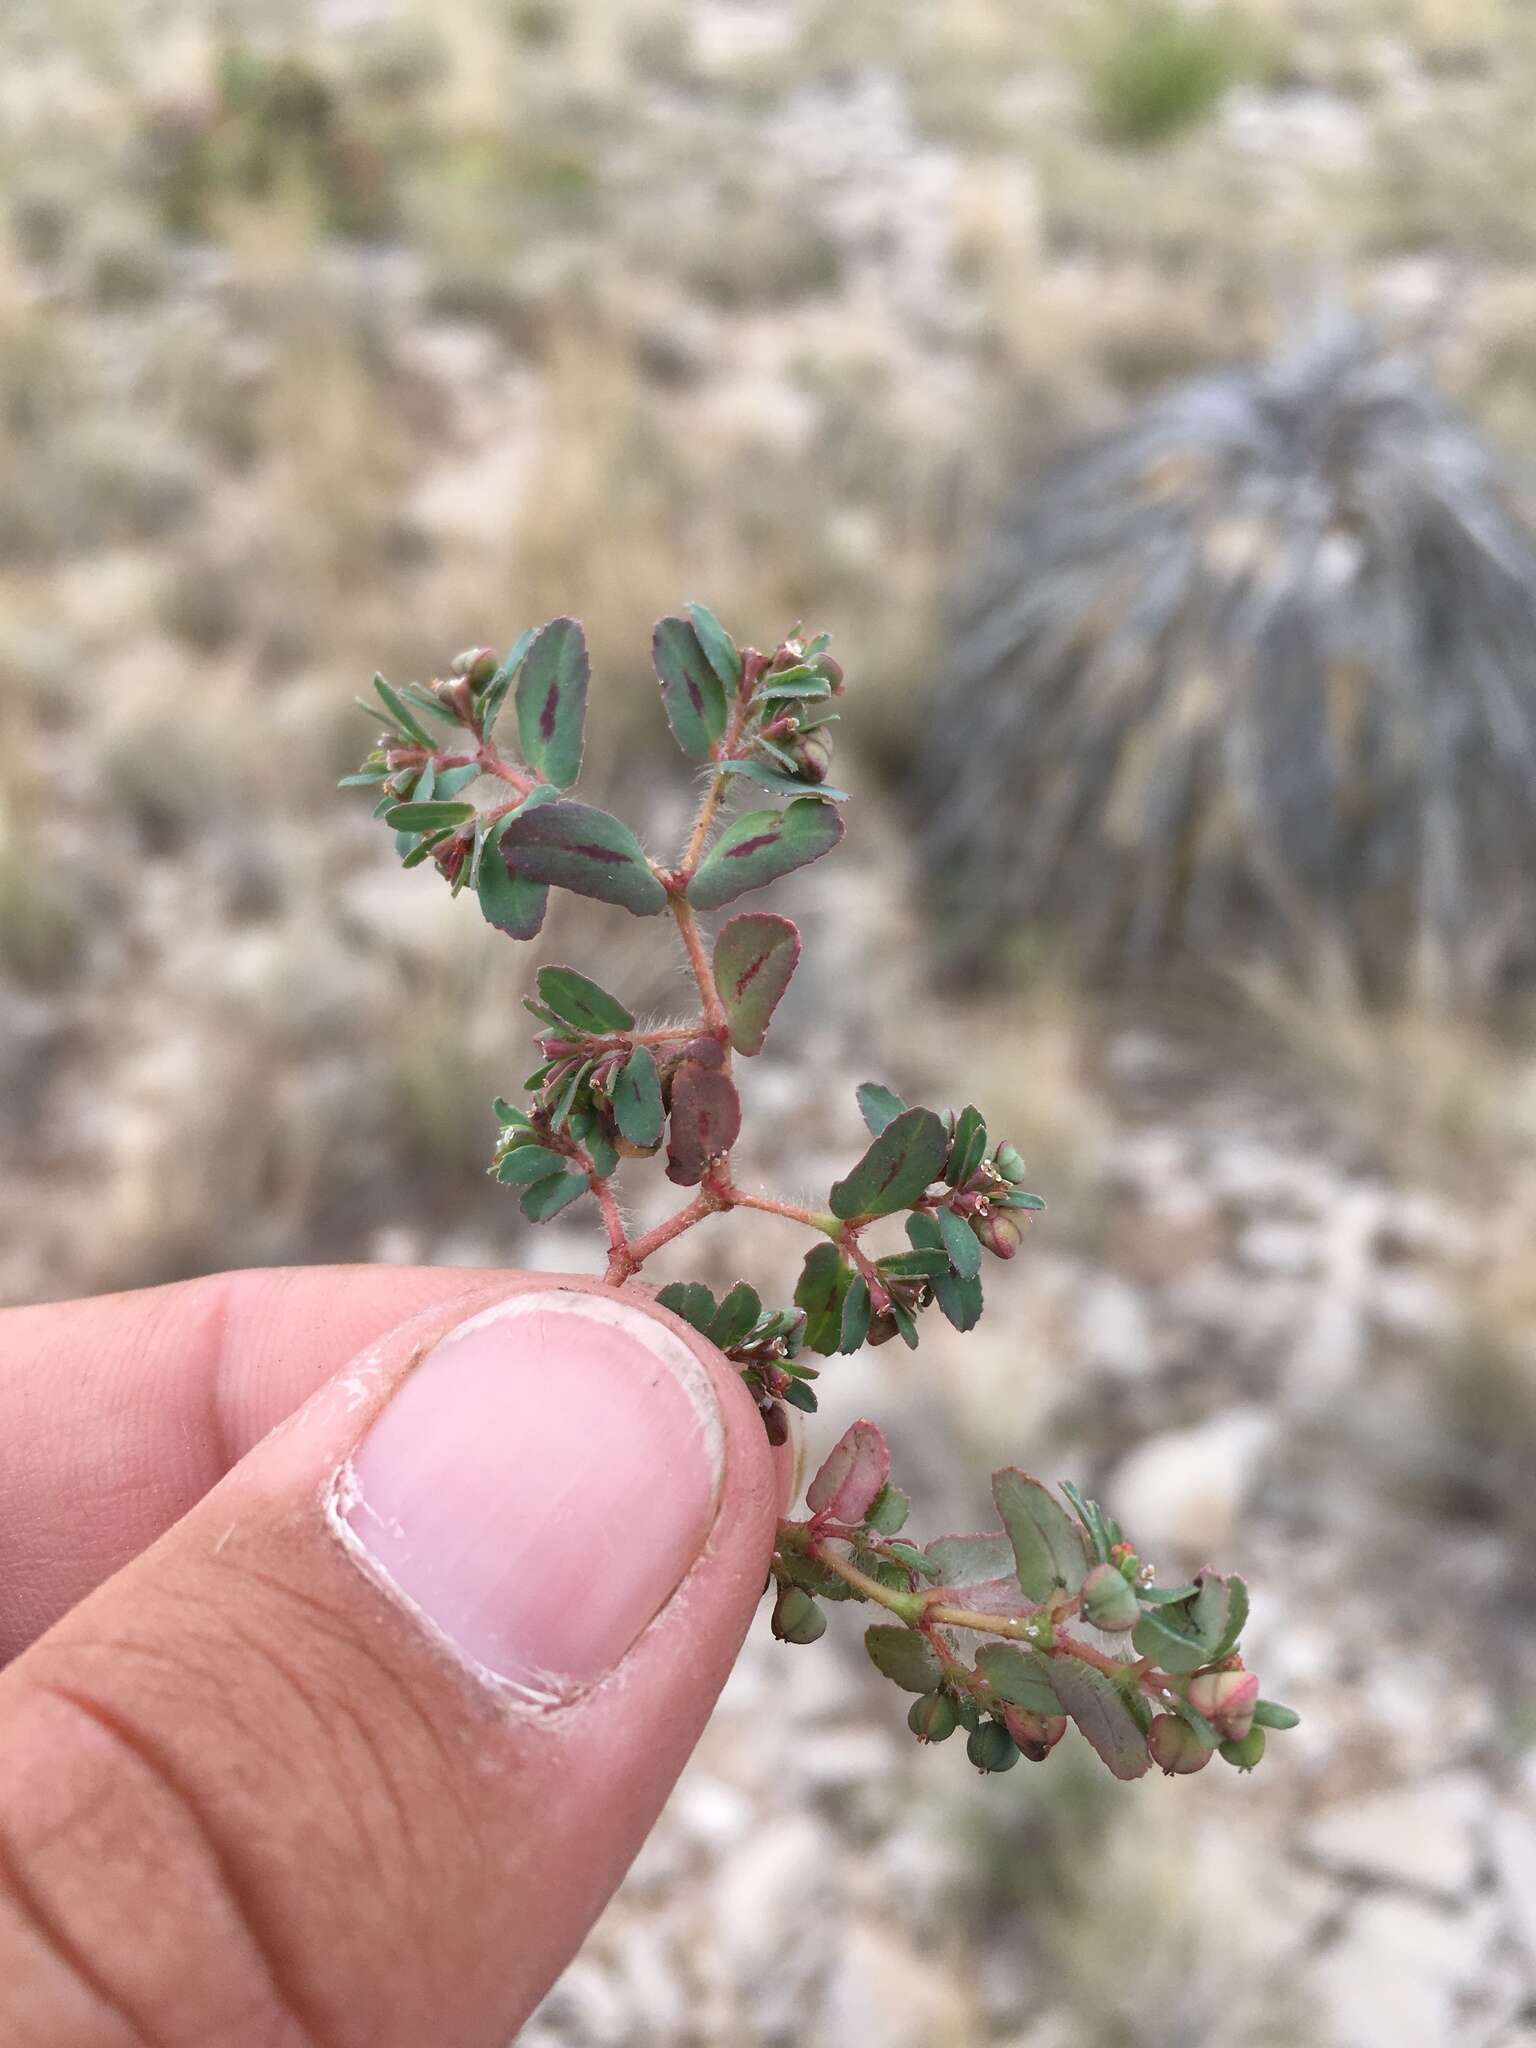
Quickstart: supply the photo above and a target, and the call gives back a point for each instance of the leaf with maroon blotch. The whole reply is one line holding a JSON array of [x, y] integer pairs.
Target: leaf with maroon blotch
[[692, 694], [637, 1099], [514, 904], [759, 847], [755, 955], [852, 1475], [705, 1121], [899, 1166], [577, 847], [1103, 1715], [552, 702], [820, 1291], [573, 999]]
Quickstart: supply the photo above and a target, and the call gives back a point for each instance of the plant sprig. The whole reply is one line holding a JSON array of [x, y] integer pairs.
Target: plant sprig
[[609, 1088]]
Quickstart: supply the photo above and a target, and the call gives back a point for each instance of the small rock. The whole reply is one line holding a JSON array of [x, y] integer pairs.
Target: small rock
[[1424, 1836], [1184, 1490], [1395, 1974], [1512, 1840], [1112, 1329], [881, 1992]]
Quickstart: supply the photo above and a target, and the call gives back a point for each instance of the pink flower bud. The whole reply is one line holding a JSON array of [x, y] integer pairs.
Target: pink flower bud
[[812, 755], [1227, 1700], [1175, 1747]]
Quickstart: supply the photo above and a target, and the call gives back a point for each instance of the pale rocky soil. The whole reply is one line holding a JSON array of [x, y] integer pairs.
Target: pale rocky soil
[[1280, 1312]]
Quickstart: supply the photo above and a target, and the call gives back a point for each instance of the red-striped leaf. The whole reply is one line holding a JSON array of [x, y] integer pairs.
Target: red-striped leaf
[[905, 1159], [755, 955], [762, 845], [578, 847], [852, 1475], [552, 702], [692, 694], [705, 1121]]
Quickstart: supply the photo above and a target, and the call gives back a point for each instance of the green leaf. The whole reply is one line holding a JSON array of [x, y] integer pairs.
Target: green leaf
[[506, 1114], [1168, 1645], [1015, 1198], [547, 1198], [496, 689], [719, 648], [969, 1147], [899, 1166], [961, 1243], [781, 784], [1091, 1515], [428, 817], [395, 705], [1103, 1716], [799, 1395], [760, 846], [450, 781], [637, 1099], [1048, 1546], [692, 694], [960, 1301], [1237, 1619], [909, 1555], [552, 702], [1021, 1677], [792, 686], [575, 846], [529, 1163], [736, 1315], [568, 1094], [919, 1265], [413, 853], [888, 1514], [878, 1105], [704, 1123], [979, 1570], [691, 1300], [600, 1151], [905, 1321], [1270, 1714], [821, 1291], [856, 1312], [755, 955], [510, 902], [579, 1002], [904, 1656], [367, 775]]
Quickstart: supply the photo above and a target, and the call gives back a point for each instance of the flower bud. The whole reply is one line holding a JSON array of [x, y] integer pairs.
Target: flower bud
[[992, 1748], [1176, 1749], [933, 1718], [998, 1232], [1009, 1162], [1108, 1602], [812, 754], [796, 1617], [455, 695], [476, 665], [882, 1327], [1245, 1754], [1227, 1700], [829, 666]]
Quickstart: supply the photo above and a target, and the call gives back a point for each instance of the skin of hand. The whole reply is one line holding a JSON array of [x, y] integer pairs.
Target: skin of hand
[[354, 1626]]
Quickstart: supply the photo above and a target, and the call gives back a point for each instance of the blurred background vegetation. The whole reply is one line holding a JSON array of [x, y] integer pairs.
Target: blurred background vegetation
[[340, 334]]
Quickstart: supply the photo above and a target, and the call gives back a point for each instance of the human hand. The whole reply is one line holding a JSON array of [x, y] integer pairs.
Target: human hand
[[348, 1659]]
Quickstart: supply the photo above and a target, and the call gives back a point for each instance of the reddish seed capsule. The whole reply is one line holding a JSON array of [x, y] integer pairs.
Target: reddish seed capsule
[[1227, 1700], [476, 665], [998, 1233], [812, 754], [829, 666], [775, 1423]]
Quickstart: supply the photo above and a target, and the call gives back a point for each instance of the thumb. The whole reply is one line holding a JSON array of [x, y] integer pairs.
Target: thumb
[[354, 1754]]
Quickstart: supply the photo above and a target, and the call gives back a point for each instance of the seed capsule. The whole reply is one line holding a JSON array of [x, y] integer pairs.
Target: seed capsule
[[476, 665], [998, 1233], [796, 1616], [1227, 1700], [1108, 1602], [933, 1718], [1176, 1749], [992, 1748], [1245, 1754]]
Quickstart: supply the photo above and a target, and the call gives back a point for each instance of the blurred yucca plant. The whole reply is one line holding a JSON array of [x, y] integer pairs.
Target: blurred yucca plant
[[1258, 669]]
